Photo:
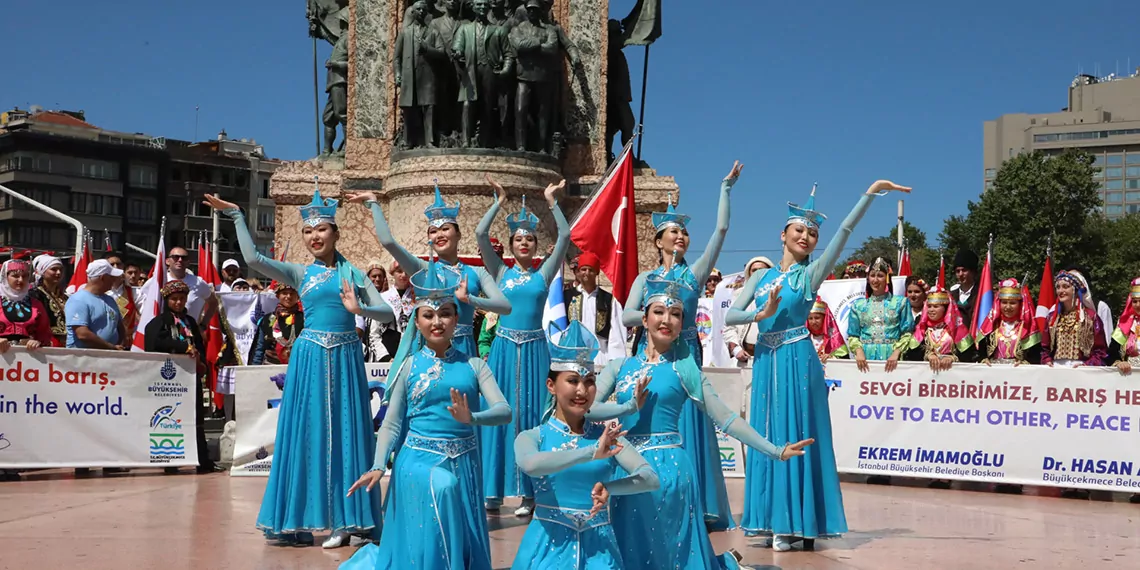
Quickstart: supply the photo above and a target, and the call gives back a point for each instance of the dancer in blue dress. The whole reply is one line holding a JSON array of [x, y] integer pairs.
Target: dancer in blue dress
[[324, 428], [672, 241], [519, 357], [433, 511], [800, 499], [443, 235], [664, 528], [575, 465]]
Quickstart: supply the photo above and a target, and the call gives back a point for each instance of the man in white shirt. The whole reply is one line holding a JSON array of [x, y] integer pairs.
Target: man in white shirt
[[201, 303], [596, 309], [231, 271], [741, 339]]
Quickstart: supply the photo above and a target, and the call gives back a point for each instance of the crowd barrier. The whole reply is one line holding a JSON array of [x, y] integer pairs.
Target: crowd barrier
[[96, 408]]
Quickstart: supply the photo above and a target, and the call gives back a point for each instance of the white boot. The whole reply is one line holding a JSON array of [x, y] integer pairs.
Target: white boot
[[526, 509], [783, 543], [337, 539]]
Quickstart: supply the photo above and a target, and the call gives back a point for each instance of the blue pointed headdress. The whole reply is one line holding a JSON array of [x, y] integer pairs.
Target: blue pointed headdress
[[434, 288], [319, 210], [573, 349], [669, 292], [670, 218], [523, 222], [806, 215], [439, 213]]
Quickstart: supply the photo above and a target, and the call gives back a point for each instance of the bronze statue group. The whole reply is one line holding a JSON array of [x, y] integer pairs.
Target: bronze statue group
[[534, 419]]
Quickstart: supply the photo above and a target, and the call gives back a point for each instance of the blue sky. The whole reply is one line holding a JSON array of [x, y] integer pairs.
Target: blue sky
[[842, 93]]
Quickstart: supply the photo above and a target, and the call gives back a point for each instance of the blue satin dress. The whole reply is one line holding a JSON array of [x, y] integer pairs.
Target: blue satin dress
[[324, 428], [433, 510], [563, 534], [799, 497]]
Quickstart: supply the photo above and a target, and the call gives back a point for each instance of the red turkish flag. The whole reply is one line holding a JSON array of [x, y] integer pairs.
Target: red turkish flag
[[607, 226]]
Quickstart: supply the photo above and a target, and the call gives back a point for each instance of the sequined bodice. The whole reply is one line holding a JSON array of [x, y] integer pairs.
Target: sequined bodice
[[794, 307], [320, 295], [474, 288], [666, 395], [429, 384], [526, 291], [879, 318], [570, 488]]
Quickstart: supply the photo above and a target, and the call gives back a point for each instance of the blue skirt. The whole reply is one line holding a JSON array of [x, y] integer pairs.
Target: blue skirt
[[663, 528], [433, 513], [324, 442], [801, 496], [521, 370], [556, 543]]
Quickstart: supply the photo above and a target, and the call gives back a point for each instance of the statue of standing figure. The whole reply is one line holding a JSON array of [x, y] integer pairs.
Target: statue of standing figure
[[443, 29], [328, 20], [415, 77], [538, 43], [619, 94], [484, 58]]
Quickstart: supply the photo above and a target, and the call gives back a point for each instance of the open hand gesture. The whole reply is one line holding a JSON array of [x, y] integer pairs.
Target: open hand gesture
[[771, 306], [500, 194], [552, 190], [601, 496], [795, 449], [640, 392], [459, 408], [348, 298], [461, 292], [213, 201], [881, 187], [734, 174], [608, 445], [366, 481], [360, 197]]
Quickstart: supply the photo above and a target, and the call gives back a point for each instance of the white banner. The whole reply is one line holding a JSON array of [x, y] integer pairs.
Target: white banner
[[243, 311], [96, 408], [1033, 425], [840, 293], [729, 385], [256, 402]]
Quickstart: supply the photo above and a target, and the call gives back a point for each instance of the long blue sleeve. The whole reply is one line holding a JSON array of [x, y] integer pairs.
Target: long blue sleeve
[[711, 404], [493, 299], [410, 263], [642, 478], [605, 384], [819, 269], [393, 420], [288, 273], [498, 412], [704, 264], [374, 306], [537, 463], [492, 262], [632, 315], [738, 313], [554, 261]]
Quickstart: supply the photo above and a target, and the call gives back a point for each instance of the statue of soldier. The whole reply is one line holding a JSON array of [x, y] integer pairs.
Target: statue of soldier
[[482, 52], [619, 94], [442, 29], [415, 78], [336, 85], [534, 44]]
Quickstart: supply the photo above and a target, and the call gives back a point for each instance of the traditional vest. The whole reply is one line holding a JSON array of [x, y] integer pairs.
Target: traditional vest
[[604, 304]]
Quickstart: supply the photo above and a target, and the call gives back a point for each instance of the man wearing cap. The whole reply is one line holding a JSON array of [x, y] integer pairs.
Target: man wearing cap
[[201, 302], [231, 271], [93, 319], [966, 271], [597, 309]]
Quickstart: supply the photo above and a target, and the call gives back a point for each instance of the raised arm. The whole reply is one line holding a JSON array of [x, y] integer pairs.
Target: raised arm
[[498, 412], [289, 273], [642, 477], [711, 404], [393, 420], [819, 269], [606, 382], [409, 262], [373, 304], [493, 299], [542, 463], [554, 261], [632, 314], [491, 260], [704, 264], [738, 313]]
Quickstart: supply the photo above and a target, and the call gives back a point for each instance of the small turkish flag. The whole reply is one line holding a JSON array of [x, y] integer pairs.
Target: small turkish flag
[[607, 226]]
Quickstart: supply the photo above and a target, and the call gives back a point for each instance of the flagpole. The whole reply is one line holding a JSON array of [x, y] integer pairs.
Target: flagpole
[[644, 81]]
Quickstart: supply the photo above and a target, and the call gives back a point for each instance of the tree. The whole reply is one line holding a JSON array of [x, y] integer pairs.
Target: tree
[[1035, 197], [1110, 278]]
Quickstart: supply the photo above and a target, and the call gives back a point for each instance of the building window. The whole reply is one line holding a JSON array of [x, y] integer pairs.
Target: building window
[[1098, 172], [79, 202], [1114, 210], [1132, 196], [265, 188], [84, 203], [140, 210], [1113, 197], [1132, 172], [1082, 136], [98, 169], [1098, 160], [1114, 184], [265, 221], [1116, 159], [144, 241], [1132, 158], [1132, 183], [991, 172], [989, 184], [144, 176], [239, 181], [1113, 172]]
